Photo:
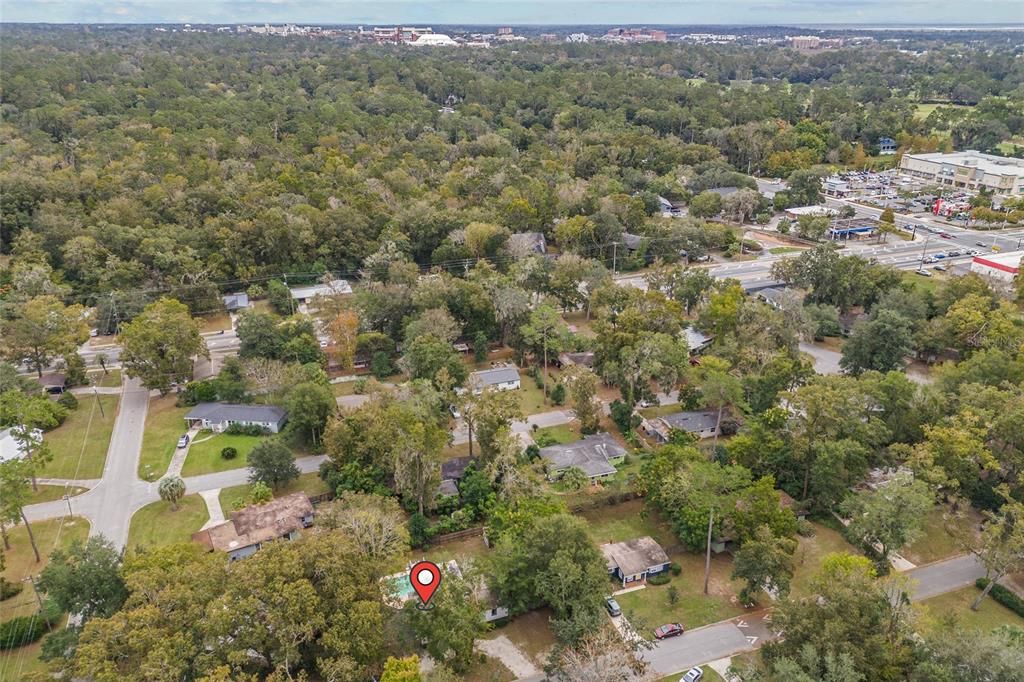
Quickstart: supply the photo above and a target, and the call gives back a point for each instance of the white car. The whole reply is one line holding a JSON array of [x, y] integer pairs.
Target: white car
[[692, 675]]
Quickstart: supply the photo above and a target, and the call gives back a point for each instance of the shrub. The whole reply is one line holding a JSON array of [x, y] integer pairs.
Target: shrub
[[673, 595], [380, 365], [68, 400], [558, 394], [676, 568], [228, 452], [419, 531], [24, 630], [359, 386], [9, 589], [260, 493], [623, 416], [543, 440], [804, 528], [660, 579], [1002, 595], [246, 430], [533, 452]]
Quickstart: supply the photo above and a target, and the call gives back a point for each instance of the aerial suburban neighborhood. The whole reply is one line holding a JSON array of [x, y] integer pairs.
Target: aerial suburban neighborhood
[[436, 351]]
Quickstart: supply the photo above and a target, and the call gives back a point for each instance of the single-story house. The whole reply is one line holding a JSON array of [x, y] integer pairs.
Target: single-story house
[[586, 359], [53, 382], [787, 502], [452, 472], [635, 560], [631, 241], [596, 454], [697, 340], [335, 287], [773, 296], [847, 321], [502, 378], [233, 302], [886, 146], [247, 529], [11, 448], [219, 416], [700, 423], [526, 243]]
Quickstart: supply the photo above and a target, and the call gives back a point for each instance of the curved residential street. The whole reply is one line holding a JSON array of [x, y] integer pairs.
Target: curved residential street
[[110, 503]]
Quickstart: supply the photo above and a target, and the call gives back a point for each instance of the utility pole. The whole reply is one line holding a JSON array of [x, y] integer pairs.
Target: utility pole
[[96, 395], [615, 250], [39, 600], [707, 558], [920, 265], [67, 498]]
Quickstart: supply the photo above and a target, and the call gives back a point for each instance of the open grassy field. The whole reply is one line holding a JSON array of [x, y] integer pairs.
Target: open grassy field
[[79, 445], [157, 524], [204, 453], [531, 398], [165, 422], [809, 555], [922, 111], [20, 561], [936, 542], [956, 606], [21, 663], [310, 483], [215, 322]]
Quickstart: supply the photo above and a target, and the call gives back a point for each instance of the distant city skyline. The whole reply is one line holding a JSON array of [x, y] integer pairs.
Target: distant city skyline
[[859, 13]]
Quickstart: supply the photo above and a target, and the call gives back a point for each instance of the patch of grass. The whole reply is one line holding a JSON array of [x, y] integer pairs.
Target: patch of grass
[[85, 426], [660, 410], [156, 524], [488, 669], [563, 433], [924, 110], [48, 493], [165, 422], [22, 663], [215, 322], [776, 250], [310, 483], [956, 606], [531, 633], [923, 284], [20, 562], [112, 379], [467, 549], [811, 551], [531, 397], [936, 542], [204, 455]]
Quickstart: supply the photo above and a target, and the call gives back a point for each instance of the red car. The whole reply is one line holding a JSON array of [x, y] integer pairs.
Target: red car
[[945, 235], [666, 631]]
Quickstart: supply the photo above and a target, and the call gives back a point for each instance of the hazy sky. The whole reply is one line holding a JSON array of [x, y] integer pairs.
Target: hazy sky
[[519, 12]]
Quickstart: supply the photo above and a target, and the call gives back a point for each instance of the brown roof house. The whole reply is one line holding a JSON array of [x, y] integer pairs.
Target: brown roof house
[[635, 560], [249, 528]]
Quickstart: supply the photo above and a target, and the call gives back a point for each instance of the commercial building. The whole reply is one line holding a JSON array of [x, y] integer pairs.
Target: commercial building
[[999, 266], [970, 169]]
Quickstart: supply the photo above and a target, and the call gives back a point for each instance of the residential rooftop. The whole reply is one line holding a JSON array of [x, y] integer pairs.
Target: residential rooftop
[[635, 556], [258, 523], [591, 454]]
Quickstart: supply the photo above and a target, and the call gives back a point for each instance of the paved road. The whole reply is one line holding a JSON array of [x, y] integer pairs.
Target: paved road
[[731, 637], [541, 421]]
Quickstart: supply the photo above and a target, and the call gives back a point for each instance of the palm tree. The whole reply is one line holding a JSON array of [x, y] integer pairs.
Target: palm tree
[[171, 489]]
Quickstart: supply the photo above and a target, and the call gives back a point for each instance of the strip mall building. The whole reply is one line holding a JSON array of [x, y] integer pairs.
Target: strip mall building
[[1001, 266]]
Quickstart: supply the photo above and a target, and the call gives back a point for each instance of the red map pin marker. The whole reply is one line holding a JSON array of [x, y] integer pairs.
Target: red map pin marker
[[425, 578]]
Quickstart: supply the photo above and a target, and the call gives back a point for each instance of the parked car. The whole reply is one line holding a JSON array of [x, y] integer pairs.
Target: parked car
[[940, 268], [455, 412], [980, 244], [692, 675], [613, 607], [669, 630], [923, 273], [183, 441], [929, 260], [953, 254]]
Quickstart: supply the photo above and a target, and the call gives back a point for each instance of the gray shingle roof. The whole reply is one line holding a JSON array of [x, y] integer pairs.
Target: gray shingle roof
[[692, 422], [236, 301], [591, 454], [492, 377], [223, 412], [635, 556], [632, 241]]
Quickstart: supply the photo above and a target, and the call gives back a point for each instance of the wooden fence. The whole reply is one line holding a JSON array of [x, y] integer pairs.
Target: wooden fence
[[458, 535]]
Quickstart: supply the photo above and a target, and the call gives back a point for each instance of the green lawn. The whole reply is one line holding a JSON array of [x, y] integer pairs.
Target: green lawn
[[47, 493], [79, 445], [563, 433], [204, 454], [923, 110], [936, 542], [23, 663], [156, 524], [215, 322], [810, 553], [310, 483], [165, 422], [111, 379], [776, 250], [924, 284], [623, 522], [991, 614], [20, 561], [531, 398], [709, 676], [660, 410]]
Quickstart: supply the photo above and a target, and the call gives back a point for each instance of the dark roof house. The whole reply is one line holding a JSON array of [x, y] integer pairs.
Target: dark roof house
[[525, 243], [700, 423], [595, 454], [631, 241], [586, 359], [219, 416], [502, 378], [635, 559]]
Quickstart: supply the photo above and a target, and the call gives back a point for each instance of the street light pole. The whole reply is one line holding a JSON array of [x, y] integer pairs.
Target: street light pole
[[924, 250], [67, 498]]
